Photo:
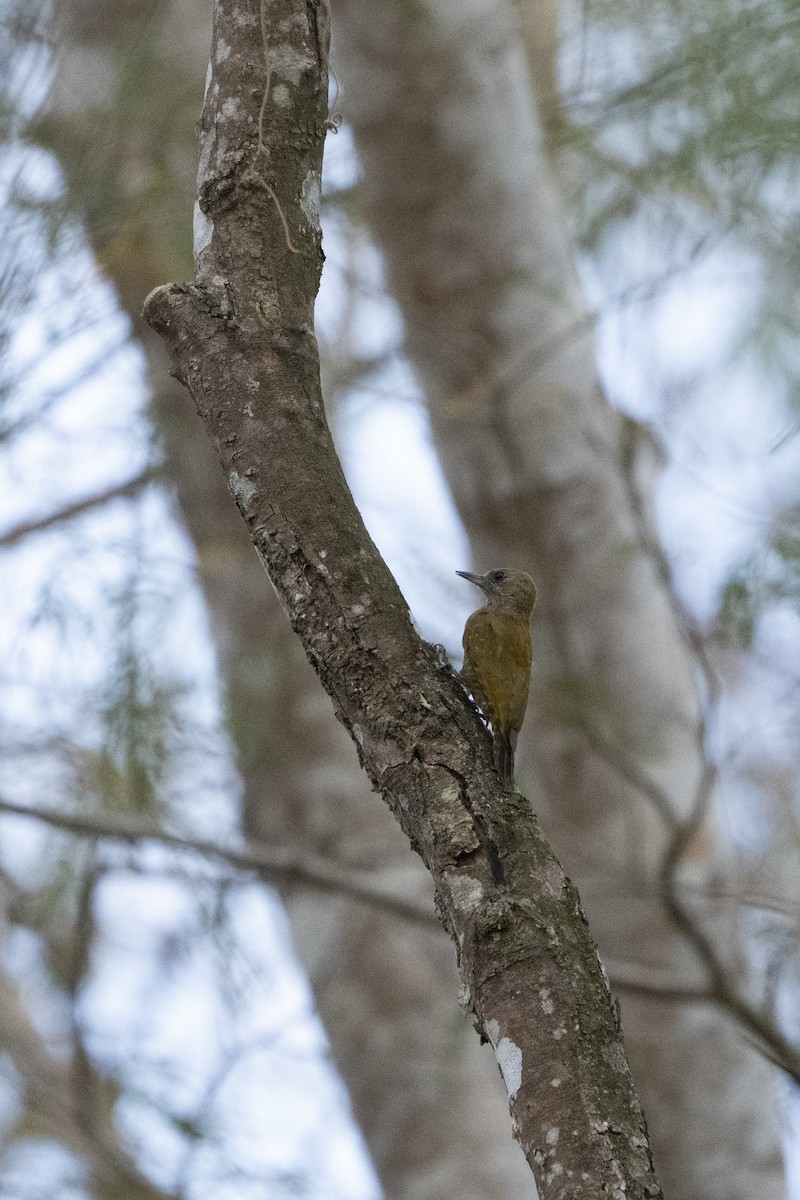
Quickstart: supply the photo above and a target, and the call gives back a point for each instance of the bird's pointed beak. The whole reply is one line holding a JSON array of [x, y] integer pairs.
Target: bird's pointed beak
[[471, 577]]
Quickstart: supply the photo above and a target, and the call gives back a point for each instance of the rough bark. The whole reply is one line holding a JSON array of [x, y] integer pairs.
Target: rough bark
[[462, 201], [428, 1098], [241, 337]]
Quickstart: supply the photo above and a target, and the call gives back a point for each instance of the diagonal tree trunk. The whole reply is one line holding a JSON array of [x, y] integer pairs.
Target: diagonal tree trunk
[[241, 338], [429, 1099], [462, 202]]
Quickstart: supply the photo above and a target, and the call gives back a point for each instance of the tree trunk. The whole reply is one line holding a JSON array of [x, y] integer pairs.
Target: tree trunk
[[241, 338], [429, 1099]]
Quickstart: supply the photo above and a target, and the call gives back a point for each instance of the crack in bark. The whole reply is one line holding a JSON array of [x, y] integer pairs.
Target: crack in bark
[[486, 845]]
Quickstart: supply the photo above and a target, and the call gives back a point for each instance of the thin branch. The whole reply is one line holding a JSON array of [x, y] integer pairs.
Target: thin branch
[[628, 769], [781, 906], [84, 1079], [120, 491], [67, 384], [273, 865], [625, 977], [722, 983]]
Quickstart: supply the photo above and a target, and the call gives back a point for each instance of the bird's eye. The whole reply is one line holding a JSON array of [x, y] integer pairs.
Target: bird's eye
[[498, 576]]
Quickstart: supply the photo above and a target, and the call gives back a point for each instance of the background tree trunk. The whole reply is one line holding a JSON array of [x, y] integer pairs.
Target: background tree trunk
[[462, 201]]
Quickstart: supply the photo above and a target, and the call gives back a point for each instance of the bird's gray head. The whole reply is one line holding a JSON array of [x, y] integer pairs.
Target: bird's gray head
[[506, 589]]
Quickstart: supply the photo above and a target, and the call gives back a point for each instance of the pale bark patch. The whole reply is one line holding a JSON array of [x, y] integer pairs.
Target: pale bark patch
[[203, 230], [467, 893], [286, 61], [310, 197], [509, 1060], [243, 489]]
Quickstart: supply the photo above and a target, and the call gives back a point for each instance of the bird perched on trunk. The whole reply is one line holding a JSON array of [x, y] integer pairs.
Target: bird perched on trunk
[[497, 657]]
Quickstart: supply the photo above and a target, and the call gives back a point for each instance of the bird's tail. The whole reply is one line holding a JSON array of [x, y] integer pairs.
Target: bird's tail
[[504, 744]]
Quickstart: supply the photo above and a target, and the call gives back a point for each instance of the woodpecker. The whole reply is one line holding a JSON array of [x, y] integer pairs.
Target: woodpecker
[[497, 657]]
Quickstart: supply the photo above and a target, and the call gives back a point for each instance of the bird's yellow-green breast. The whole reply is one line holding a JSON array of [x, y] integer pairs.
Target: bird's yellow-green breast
[[497, 657], [497, 662]]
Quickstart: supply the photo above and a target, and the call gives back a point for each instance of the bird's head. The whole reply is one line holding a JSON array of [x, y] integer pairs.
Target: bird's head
[[508, 590]]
